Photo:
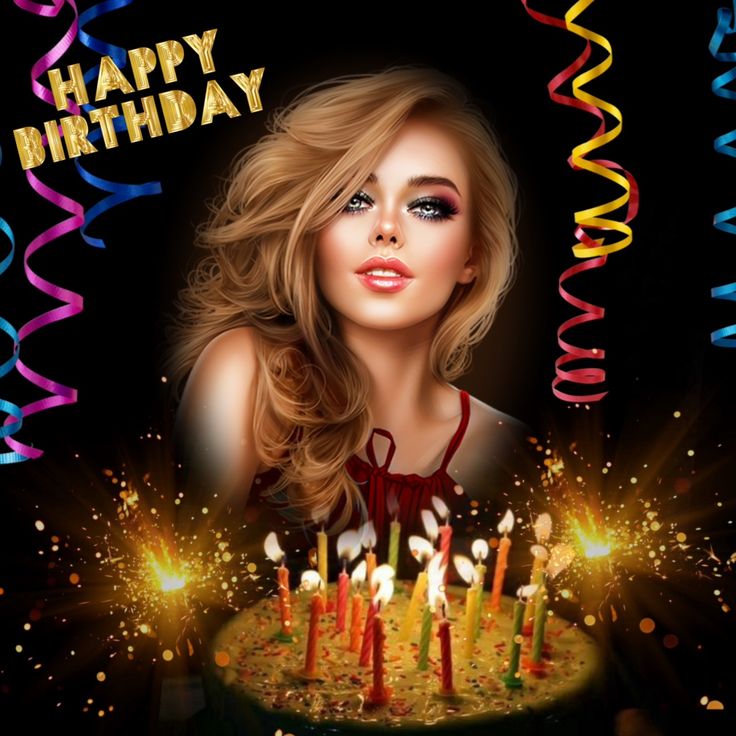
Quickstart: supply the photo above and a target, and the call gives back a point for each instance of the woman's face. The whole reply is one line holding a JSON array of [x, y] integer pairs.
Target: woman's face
[[413, 215]]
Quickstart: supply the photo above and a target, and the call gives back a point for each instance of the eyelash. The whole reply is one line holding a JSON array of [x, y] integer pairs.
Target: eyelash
[[445, 209]]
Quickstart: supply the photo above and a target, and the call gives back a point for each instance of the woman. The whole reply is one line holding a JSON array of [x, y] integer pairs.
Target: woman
[[360, 251]]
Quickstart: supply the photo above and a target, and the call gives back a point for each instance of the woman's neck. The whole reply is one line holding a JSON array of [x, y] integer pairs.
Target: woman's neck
[[404, 393]]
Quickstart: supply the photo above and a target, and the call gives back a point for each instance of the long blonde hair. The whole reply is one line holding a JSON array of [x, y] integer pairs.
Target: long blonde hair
[[311, 396]]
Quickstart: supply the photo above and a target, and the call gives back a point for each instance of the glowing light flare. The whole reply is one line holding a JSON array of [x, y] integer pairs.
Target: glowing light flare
[[381, 574], [273, 549], [311, 580], [540, 552], [167, 574], [506, 525], [560, 558], [592, 540], [383, 593]]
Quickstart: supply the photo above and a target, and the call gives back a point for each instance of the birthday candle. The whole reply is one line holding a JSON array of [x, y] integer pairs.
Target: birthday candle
[[435, 576], [421, 550], [542, 531], [275, 553], [506, 525], [540, 558], [368, 539], [480, 552], [379, 693], [312, 581], [426, 633], [348, 548], [468, 574], [445, 652], [393, 542], [322, 560], [512, 678], [358, 578], [381, 573], [445, 531], [540, 619]]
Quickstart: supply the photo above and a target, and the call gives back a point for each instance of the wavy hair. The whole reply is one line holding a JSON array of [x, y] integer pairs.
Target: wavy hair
[[311, 410]]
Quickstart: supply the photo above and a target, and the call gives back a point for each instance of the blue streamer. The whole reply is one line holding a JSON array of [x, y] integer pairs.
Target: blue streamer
[[119, 192], [724, 221]]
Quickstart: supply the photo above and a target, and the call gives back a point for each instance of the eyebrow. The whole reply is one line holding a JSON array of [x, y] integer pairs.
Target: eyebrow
[[422, 181]]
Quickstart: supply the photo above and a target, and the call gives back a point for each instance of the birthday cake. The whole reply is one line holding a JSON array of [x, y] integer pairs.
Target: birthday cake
[[253, 681]]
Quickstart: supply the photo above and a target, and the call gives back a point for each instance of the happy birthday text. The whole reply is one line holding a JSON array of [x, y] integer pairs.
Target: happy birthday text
[[69, 136]]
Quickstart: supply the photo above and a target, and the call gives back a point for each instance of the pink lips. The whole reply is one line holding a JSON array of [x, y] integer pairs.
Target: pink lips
[[385, 284]]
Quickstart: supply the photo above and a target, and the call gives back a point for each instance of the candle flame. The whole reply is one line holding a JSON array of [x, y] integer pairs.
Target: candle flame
[[441, 508], [430, 525], [368, 535], [381, 573], [526, 592], [348, 545], [464, 566], [540, 552], [542, 528], [383, 593], [420, 548], [507, 523], [273, 549], [479, 549], [358, 575], [311, 580], [560, 557]]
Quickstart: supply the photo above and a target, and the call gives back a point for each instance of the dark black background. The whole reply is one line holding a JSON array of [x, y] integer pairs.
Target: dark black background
[[659, 314]]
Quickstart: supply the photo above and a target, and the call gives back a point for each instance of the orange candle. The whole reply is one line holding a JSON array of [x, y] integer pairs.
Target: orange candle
[[284, 600], [357, 612], [310, 665], [370, 560], [506, 525]]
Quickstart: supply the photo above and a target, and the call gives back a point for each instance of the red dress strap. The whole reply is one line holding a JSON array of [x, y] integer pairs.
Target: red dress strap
[[389, 453], [457, 438]]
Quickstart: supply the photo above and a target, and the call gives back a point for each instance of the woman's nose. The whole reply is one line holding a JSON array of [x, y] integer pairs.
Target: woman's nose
[[387, 231]]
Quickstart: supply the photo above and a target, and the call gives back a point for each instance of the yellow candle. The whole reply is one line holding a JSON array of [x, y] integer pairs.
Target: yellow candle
[[536, 579], [471, 604], [417, 599], [322, 560], [370, 561]]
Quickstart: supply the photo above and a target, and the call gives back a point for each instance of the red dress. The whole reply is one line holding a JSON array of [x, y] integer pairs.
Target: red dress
[[413, 493]]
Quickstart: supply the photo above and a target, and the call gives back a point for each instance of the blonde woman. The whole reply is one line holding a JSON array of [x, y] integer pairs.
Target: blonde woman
[[360, 251]]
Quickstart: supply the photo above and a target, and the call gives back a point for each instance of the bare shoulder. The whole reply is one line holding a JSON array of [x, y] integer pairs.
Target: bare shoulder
[[214, 421], [493, 447]]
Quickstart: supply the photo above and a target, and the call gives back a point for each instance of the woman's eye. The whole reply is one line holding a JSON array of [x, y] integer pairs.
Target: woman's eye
[[432, 208], [358, 202]]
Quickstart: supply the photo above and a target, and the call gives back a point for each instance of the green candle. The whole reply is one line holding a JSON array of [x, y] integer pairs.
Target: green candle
[[540, 619], [393, 545], [424, 637], [512, 678]]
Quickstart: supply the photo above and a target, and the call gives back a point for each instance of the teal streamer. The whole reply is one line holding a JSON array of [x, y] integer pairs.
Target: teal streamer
[[119, 193], [724, 337]]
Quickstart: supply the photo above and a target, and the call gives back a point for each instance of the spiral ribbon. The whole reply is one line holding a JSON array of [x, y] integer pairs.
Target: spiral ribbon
[[724, 336], [73, 303], [592, 218], [15, 415]]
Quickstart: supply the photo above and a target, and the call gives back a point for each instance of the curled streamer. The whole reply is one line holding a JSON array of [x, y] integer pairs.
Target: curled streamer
[[14, 420], [595, 249], [73, 303], [724, 337], [119, 193]]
